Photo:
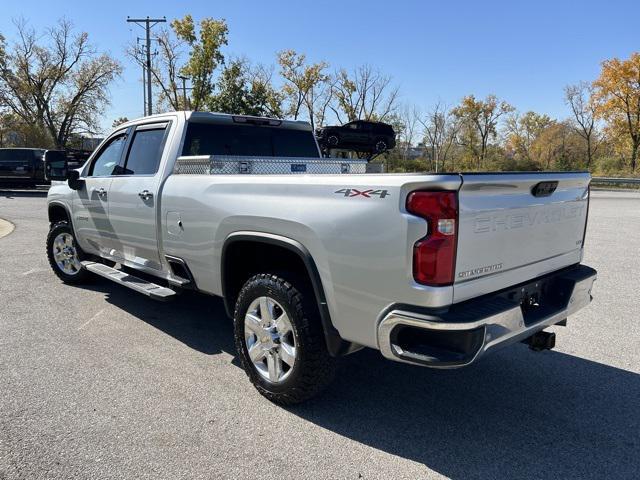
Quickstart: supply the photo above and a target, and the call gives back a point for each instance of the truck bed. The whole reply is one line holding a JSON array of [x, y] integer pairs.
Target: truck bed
[[360, 235]]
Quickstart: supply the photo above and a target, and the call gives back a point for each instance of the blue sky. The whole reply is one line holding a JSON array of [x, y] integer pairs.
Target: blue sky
[[523, 52]]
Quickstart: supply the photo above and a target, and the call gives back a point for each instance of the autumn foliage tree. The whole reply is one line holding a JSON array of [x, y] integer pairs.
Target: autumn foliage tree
[[523, 130], [617, 96], [55, 82], [480, 121]]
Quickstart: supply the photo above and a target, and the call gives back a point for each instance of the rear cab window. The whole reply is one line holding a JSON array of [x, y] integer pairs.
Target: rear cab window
[[248, 141], [145, 151]]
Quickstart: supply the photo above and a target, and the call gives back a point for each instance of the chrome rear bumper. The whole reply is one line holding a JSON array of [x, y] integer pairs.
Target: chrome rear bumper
[[460, 335]]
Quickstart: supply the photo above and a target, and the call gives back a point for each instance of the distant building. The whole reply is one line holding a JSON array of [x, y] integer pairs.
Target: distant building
[[88, 144]]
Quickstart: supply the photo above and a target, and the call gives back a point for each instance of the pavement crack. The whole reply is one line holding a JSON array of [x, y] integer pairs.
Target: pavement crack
[[85, 324]]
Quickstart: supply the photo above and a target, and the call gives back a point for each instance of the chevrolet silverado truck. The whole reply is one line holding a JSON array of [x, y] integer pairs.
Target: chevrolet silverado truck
[[315, 259]]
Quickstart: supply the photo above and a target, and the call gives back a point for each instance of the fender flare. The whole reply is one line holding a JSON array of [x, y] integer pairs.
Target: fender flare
[[336, 345], [65, 208]]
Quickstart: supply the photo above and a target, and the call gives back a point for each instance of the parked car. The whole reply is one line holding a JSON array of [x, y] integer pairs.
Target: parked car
[[359, 135], [430, 269], [23, 166]]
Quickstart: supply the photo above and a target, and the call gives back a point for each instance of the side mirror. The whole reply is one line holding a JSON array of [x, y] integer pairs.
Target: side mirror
[[56, 165], [73, 177]]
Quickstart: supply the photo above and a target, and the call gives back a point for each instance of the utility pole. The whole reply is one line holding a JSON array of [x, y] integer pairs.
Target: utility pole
[[184, 92], [140, 52], [149, 23]]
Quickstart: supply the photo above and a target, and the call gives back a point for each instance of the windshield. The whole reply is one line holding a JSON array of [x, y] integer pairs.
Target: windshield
[[248, 140]]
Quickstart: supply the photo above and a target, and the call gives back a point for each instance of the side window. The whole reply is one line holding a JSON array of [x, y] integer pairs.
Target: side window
[[107, 160], [145, 152]]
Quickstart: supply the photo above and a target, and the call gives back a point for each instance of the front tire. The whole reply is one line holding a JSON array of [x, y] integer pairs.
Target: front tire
[[65, 255], [280, 341]]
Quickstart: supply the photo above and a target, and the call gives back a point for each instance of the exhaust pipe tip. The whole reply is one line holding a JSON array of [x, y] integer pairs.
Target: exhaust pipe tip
[[541, 341]]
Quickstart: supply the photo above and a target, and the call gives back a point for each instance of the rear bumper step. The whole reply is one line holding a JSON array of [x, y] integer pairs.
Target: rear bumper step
[[460, 335], [157, 292]]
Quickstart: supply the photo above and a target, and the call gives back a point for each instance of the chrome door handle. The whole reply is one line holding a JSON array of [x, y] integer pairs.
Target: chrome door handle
[[102, 193], [145, 195]]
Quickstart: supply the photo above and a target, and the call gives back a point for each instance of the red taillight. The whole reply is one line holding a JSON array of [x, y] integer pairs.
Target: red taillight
[[434, 256]]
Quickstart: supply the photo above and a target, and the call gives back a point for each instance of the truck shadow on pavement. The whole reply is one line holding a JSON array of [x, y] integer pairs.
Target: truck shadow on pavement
[[516, 414], [199, 321]]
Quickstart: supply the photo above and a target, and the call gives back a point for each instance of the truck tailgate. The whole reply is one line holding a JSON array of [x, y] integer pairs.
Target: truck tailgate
[[515, 227]]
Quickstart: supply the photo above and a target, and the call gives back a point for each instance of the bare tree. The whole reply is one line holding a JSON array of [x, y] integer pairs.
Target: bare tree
[[440, 131], [57, 82], [409, 118], [365, 94], [578, 97], [263, 92], [322, 100], [165, 69]]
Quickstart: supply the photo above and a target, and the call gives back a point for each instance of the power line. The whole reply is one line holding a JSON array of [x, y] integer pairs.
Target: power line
[[148, 24]]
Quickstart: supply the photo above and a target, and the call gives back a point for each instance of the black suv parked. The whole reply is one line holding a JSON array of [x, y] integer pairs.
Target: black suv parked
[[359, 135], [22, 165]]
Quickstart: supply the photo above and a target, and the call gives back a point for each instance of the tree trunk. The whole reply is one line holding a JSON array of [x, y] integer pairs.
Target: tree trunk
[[634, 155]]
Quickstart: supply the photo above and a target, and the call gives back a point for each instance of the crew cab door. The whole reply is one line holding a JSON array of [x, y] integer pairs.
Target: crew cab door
[[133, 202], [91, 202]]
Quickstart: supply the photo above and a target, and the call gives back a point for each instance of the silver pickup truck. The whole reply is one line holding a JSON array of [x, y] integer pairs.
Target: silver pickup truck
[[314, 258]]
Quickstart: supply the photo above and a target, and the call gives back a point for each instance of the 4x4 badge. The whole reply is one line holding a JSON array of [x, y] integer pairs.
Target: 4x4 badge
[[354, 192]]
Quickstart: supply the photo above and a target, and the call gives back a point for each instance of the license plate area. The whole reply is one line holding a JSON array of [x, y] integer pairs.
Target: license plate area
[[540, 298]]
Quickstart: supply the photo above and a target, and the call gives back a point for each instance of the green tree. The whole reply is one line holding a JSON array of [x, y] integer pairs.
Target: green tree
[[56, 82], [204, 44], [15, 132], [119, 121], [204, 56], [244, 90], [303, 83]]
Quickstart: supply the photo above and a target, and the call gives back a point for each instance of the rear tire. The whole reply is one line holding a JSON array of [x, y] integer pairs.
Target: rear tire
[[65, 255], [280, 326], [333, 140], [381, 145]]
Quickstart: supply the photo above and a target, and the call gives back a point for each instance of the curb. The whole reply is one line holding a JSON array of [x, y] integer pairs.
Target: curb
[[6, 228]]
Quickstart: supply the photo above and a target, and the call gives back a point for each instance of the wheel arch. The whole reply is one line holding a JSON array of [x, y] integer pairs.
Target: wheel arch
[[58, 212], [336, 345]]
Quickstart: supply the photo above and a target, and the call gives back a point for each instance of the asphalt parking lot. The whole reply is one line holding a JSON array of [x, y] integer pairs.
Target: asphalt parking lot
[[101, 382]]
